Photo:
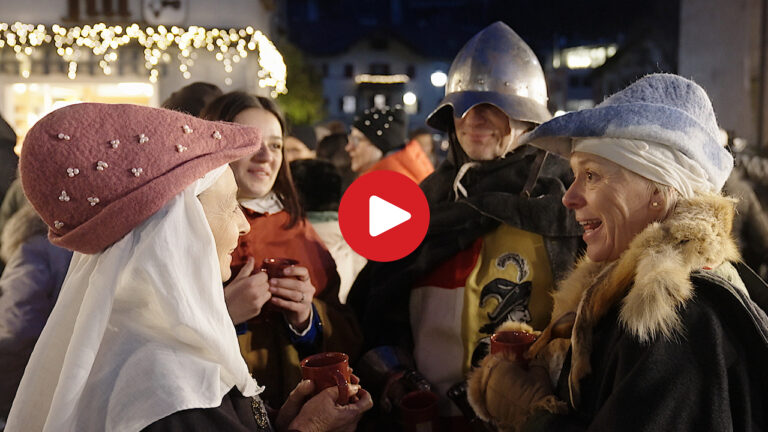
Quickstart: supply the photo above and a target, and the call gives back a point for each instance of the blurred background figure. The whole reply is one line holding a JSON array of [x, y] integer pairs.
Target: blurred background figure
[[295, 149], [29, 287], [8, 159], [8, 163], [378, 141], [423, 136], [750, 221], [192, 98], [13, 201], [330, 128], [331, 149], [319, 185]]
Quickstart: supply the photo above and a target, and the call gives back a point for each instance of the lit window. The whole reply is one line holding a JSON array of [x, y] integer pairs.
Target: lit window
[[349, 104], [379, 101]]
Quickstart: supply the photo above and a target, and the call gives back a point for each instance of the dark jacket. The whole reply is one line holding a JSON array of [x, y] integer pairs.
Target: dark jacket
[[29, 287], [236, 413], [381, 292], [661, 342], [494, 196]]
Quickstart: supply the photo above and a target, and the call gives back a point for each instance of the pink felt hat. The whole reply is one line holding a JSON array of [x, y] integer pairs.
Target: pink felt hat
[[95, 171]]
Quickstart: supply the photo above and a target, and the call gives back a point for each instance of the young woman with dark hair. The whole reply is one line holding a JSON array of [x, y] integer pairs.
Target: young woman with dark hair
[[281, 319]]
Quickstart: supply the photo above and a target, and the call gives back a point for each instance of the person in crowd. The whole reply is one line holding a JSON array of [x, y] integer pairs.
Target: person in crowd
[[423, 135], [192, 98], [668, 334], [9, 160], [319, 185], [295, 149], [331, 128], [13, 201], [29, 286], [377, 141], [498, 236], [8, 163], [331, 148], [296, 315], [750, 222], [140, 337]]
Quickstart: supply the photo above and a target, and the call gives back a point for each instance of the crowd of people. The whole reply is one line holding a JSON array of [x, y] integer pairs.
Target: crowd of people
[[134, 296]]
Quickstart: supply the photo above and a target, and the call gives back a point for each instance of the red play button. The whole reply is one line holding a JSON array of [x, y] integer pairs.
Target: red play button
[[383, 215]]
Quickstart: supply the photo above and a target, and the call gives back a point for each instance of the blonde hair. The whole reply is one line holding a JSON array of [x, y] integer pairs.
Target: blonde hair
[[669, 196]]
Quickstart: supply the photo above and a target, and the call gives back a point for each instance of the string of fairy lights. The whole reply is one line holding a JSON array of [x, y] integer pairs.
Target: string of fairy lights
[[78, 43]]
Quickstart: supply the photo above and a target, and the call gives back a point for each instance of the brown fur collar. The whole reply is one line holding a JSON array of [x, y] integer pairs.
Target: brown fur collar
[[650, 279]]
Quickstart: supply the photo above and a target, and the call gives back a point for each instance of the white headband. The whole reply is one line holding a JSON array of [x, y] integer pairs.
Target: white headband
[[654, 161]]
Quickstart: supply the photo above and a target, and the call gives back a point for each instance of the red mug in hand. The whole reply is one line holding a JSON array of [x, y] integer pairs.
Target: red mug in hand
[[513, 342], [275, 267], [328, 369]]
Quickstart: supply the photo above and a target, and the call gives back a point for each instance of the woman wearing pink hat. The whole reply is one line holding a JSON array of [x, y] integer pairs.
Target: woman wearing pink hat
[[140, 337], [306, 316]]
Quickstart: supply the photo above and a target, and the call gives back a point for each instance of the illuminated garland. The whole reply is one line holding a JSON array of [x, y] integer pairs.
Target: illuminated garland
[[73, 43]]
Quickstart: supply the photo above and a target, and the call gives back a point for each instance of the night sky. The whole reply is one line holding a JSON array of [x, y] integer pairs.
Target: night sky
[[438, 28]]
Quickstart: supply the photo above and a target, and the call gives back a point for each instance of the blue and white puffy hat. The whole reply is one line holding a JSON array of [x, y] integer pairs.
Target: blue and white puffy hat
[[662, 108]]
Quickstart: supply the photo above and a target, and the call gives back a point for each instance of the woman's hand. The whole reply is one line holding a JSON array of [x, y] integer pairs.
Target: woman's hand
[[246, 294], [506, 394], [321, 413], [294, 294]]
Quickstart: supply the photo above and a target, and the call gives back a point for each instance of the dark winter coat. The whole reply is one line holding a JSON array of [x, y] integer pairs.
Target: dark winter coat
[[661, 341]]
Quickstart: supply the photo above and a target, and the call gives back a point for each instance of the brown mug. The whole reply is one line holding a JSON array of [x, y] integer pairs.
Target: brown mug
[[513, 342], [328, 369], [420, 411], [275, 267]]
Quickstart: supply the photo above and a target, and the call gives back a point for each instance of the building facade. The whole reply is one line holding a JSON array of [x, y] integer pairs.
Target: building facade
[[722, 48], [56, 52]]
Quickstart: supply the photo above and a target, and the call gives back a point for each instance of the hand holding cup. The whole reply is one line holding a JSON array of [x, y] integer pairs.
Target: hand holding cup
[[329, 369], [291, 289]]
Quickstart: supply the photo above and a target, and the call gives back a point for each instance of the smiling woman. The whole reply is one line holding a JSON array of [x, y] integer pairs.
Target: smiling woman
[[225, 218], [662, 314], [611, 204], [281, 319], [140, 337]]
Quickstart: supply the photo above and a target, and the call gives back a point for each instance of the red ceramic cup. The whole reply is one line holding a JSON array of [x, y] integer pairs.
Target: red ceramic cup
[[328, 369], [420, 412], [275, 267], [513, 342]]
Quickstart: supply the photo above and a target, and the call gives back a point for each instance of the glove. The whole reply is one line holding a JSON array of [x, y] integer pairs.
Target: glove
[[505, 394]]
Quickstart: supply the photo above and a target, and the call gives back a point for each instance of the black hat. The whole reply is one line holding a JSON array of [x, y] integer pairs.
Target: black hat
[[385, 128]]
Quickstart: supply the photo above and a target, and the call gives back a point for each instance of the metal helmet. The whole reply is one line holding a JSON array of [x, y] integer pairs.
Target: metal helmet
[[495, 67]]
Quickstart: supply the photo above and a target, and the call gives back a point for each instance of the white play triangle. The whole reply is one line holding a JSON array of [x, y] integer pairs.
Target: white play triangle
[[383, 216]]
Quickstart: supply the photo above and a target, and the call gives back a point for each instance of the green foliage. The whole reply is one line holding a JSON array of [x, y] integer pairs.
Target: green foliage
[[303, 104]]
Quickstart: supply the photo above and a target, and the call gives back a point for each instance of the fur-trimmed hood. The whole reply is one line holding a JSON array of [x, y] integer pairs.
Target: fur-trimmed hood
[[650, 279]]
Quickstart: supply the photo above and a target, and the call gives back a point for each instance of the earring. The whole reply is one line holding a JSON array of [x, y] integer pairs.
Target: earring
[[655, 204]]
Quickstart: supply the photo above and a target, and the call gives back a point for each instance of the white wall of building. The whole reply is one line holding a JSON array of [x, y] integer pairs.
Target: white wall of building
[[222, 14], [399, 58], [719, 40]]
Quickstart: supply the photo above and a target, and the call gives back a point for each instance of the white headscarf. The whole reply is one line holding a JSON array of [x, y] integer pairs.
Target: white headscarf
[[654, 161], [139, 331]]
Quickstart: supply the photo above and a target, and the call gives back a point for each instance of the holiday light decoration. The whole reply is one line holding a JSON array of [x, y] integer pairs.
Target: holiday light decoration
[[78, 43]]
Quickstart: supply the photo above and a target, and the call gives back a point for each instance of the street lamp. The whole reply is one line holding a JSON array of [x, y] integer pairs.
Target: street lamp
[[409, 99], [438, 78]]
